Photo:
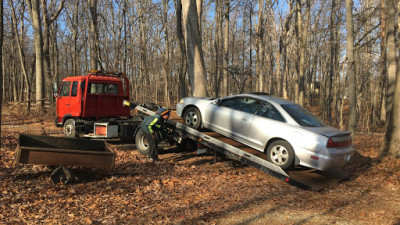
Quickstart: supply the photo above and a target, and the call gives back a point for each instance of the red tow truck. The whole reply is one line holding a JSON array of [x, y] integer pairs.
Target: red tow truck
[[93, 104]]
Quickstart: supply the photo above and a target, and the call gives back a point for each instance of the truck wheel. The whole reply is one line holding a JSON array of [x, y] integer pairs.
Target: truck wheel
[[192, 118], [142, 144], [69, 128], [281, 153]]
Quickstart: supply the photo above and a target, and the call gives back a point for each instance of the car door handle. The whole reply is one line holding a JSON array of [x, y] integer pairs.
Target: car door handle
[[244, 119]]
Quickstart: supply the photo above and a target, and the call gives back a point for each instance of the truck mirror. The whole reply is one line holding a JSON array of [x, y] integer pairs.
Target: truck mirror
[[55, 89]]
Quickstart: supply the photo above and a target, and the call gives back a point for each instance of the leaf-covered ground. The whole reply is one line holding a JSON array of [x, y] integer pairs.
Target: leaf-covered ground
[[185, 188]]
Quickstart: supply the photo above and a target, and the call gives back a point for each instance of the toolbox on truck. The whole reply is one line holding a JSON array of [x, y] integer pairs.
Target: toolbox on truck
[[60, 151]]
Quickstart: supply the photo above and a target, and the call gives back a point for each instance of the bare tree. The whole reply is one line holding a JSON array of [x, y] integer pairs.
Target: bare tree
[[94, 36], [21, 56], [225, 84], [302, 35], [382, 63], [196, 66], [182, 49], [1, 64], [260, 46], [391, 143], [33, 6], [166, 53], [351, 68], [48, 19]]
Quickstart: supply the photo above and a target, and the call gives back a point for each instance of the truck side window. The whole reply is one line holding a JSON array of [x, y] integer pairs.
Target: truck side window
[[95, 88], [65, 88], [83, 85], [74, 90], [111, 89]]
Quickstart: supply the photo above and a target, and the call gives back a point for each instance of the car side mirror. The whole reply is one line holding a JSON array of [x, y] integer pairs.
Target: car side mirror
[[216, 101]]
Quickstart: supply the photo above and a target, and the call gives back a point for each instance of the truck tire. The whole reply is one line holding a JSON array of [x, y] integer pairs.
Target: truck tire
[[281, 153], [69, 129], [142, 144]]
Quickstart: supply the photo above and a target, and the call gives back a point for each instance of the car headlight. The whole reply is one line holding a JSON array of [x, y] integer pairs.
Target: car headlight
[[181, 101]]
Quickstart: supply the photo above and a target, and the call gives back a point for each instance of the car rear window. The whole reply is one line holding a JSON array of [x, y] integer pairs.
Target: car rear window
[[302, 116]]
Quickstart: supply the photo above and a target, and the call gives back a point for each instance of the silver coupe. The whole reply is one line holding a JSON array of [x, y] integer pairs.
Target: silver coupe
[[286, 132]]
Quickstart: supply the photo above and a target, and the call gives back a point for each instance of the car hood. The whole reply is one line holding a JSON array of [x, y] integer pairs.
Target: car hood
[[328, 131], [204, 98]]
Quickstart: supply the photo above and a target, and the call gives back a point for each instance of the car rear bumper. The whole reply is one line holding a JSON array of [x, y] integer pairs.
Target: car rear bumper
[[330, 160]]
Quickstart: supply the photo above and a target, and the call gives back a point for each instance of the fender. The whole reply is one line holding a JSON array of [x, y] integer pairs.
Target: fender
[[65, 117]]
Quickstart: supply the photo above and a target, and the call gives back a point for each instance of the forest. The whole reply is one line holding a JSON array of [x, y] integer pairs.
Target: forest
[[338, 58], [298, 50]]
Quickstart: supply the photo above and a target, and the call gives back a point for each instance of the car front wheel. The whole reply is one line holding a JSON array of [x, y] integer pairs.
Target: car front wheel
[[281, 154], [192, 118]]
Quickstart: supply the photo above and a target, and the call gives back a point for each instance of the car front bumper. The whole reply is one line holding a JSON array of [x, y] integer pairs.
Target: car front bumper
[[179, 109]]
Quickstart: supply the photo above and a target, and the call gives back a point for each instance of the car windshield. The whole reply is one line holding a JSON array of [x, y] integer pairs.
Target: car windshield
[[302, 116]]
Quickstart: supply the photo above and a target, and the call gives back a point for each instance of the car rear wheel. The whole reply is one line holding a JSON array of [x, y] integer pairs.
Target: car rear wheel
[[142, 144], [281, 153], [69, 128], [192, 118]]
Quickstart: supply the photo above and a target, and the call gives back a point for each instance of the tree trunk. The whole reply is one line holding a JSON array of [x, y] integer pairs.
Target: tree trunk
[[38, 45], [302, 35], [1, 64], [196, 66], [351, 68], [391, 143], [182, 48], [225, 86], [94, 58], [332, 58], [166, 54], [217, 46], [260, 47], [21, 57]]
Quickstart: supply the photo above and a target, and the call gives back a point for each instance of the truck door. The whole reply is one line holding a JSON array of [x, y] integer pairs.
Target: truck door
[[75, 100], [64, 101]]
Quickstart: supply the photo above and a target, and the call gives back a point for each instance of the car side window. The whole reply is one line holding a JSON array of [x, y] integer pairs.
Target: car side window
[[243, 104], [74, 90], [65, 88], [249, 105], [269, 111], [232, 103]]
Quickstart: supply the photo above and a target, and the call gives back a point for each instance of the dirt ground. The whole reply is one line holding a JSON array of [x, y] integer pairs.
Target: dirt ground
[[186, 188]]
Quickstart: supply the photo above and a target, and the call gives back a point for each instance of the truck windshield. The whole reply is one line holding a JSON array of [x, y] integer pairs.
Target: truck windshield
[[103, 89], [302, 116]]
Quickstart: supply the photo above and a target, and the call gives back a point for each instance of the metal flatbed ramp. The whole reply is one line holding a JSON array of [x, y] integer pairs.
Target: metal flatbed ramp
[[308, 179]]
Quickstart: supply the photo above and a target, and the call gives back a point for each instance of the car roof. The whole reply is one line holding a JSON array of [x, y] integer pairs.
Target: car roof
[[270, 98]]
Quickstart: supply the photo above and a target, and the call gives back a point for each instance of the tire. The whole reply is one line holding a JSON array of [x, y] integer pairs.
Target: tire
[[69, 129], [142, 145], [192, 118], [281, 153]]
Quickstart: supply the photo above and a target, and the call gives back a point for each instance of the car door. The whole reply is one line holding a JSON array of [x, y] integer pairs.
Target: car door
[[232, 116], [267, 123]]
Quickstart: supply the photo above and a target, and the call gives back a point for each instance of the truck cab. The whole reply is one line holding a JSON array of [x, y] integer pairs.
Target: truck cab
[[96, 97]]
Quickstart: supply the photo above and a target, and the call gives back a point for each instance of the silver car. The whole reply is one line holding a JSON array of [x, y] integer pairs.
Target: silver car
[[287, 133]]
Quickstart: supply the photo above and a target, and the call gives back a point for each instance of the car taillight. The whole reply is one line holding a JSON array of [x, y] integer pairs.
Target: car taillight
[[339, 142]]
